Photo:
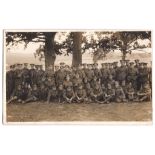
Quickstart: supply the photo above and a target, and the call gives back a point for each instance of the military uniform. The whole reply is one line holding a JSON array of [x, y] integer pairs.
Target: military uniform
[[25, 75], [80, 94], [132, 74], [10, 82], [33, 75], [52, 94], [69, 95], [17, 95]]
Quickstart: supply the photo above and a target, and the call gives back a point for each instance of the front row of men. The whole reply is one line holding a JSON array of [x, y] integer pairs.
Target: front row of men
[[79, 93]]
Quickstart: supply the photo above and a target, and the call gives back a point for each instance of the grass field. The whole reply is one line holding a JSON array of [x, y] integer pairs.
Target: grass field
[[42, 112]]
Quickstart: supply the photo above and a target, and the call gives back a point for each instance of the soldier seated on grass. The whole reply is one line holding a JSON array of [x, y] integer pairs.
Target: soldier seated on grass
[[119, 93], [33, 94], [60, 93], [97, 94], [80, 94], [130, 92], [52, 94], [110, 94], [144, 94], [69, 95], [43, 91], [17, 95]]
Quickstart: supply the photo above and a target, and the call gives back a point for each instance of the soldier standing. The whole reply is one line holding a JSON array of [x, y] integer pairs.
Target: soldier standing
[[32, 73], [25, 75]]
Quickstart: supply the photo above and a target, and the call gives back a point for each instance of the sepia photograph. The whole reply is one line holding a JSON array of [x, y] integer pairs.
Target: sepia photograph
[[77, 76]]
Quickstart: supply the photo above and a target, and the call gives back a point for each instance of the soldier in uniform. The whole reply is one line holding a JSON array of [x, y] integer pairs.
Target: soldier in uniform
[[33, 94], [119, 93], [41, 77], [89, 92], [43, 92], [18, 75], [121, 72], [50, 72], [89, 73], [32, 73], [97, 71], [67, 82], [94, 82], [81, 72], [17, 95], [105, 73], [97, 94], [77, 81], [130, 92], [132, 75], [69, 95], [111, 81], [25, 75], [143, 75], [112, 71], [10, 82], [80, 94], [109, 94], [144, 94], [60, 93], [52, 94], [60, 75]]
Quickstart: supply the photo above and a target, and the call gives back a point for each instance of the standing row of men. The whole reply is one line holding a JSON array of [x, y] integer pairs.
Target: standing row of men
[[131, 81]]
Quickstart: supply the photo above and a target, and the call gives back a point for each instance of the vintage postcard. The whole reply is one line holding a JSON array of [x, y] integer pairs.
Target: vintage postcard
[[77, 76]]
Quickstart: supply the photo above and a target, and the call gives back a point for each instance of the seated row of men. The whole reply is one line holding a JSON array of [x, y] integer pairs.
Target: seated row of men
[[80, 93], [137, 74]]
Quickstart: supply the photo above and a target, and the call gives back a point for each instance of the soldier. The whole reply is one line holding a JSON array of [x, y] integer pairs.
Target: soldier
[[33, 94], [49, 83], [110, 94], [130, 92], [143, 75], [105, 73], [137, 63], [119, 93], [25, 75], [97, 71], [121, 72], [60, 75], [80, 94], [26, 90], [67, 82], [81, 72], [145, 93], [10, 81], [112, 71], [32, 72], [18, 75], [43, 91], [127, 63], [60, 93], [89, 73], [52, 94], [50, 72], [77, 81], [94, 82], [41, 76], [111, 81], [97, 94], [132, 75], [89, 92], [69, 95], [17, 95]]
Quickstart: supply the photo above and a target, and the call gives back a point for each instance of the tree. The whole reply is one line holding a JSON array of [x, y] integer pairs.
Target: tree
[[125, 41], [47, 38]]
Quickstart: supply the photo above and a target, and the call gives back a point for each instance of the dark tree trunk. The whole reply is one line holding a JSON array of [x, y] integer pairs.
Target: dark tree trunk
[[77, 55], [50, 55], [124, 50]]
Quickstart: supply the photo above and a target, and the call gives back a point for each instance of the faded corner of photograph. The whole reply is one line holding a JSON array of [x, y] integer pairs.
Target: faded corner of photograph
[[94, 76]]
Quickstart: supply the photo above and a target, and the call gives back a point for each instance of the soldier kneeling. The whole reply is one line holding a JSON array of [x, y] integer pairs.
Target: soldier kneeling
[[17, 95]]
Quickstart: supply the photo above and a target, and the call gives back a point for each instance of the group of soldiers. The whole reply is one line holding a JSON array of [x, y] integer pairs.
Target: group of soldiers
[[127, 82]]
